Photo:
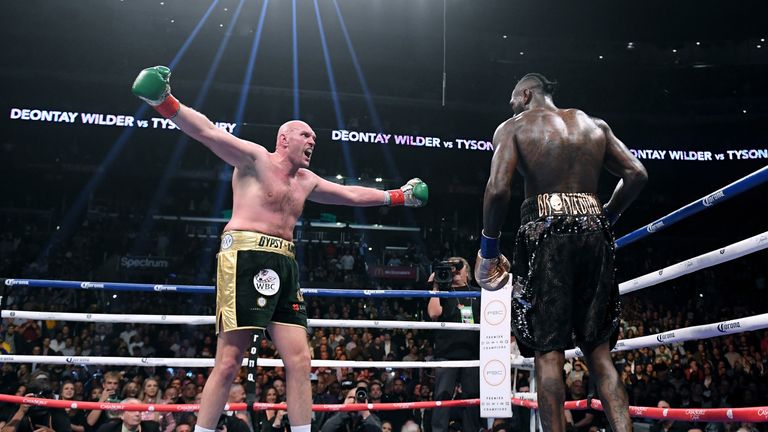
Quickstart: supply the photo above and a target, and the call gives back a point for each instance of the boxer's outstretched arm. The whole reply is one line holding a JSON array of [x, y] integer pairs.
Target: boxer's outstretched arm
[[235, 151], [327, 192], [415, 193], [498, 191], [153, 85], [620, 162]]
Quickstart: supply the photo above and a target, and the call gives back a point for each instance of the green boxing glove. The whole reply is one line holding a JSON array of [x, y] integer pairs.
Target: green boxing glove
[[152, 85], [415, 193]]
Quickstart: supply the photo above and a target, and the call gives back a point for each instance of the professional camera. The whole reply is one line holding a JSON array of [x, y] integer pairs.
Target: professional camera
[[222, 423], [361, 395], [444, 271], [38, 414]]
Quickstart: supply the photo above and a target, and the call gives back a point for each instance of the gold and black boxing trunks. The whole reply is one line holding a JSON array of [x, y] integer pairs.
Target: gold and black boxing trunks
[[257, 282], [563, 262]]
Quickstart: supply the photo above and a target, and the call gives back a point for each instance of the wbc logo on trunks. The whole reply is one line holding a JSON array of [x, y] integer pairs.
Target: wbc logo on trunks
[[266, 282]]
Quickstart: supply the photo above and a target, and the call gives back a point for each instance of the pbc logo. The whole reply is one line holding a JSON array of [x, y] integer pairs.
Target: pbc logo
[[494, 373], [495, 312]]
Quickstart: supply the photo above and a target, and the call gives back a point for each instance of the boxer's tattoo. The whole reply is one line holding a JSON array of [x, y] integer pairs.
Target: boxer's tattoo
[[551, 396], [614, 398], [551, 390]]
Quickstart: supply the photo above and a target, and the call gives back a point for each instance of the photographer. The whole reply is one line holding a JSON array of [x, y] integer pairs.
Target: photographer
[[454, 275], [361, 421], [38, 418]]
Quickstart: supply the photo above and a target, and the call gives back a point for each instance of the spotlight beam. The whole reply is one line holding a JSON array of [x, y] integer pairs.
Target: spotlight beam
[[183, 141], [76, 209], [225, 171], [394, 171], [340, 124], [296, 112]]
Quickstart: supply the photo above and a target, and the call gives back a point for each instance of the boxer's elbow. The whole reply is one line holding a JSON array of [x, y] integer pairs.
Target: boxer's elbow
[[497, 192], [637, 176]]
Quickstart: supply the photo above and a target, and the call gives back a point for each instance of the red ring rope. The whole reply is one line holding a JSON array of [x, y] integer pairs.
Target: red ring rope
[[752, 414]]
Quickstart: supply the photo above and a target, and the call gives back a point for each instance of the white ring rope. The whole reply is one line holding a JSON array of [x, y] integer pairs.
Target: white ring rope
[[755, 322], [704, 331], [727, 253], [210, 320], [208, 362]]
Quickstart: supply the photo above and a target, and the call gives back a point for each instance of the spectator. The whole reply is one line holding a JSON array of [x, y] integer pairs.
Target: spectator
[[270, 419], [109, 393], [580, 420], [76, 416], [237, 395], [150, 394], [183, 427], [129, 421], [396, 395], [279, 386], [668, 425]]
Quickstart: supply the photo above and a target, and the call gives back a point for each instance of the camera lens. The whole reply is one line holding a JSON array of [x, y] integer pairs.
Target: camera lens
[[361, 395]]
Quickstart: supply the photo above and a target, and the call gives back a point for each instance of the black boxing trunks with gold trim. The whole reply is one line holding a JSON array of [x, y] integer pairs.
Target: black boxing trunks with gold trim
[[257, 282], [563, 269]]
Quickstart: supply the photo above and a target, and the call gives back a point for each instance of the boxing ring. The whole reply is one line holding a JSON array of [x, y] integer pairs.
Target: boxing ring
[[726, 253]]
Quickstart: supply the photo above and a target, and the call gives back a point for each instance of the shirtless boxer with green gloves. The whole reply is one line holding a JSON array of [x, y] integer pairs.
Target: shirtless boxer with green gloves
[[257, 276]]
